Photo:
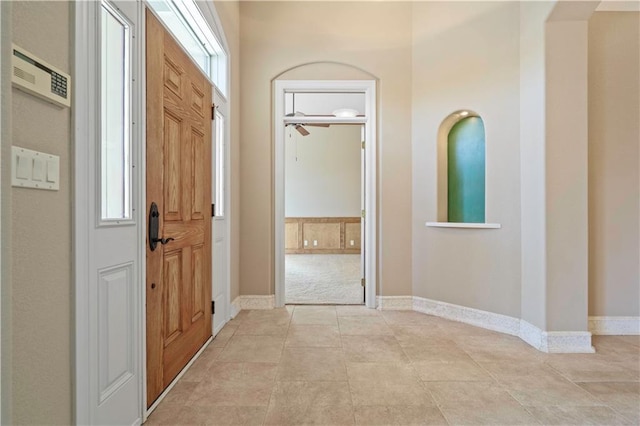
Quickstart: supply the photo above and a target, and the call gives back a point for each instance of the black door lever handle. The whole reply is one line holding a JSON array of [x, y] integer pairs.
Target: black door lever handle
[[162, 241], [154, 224]]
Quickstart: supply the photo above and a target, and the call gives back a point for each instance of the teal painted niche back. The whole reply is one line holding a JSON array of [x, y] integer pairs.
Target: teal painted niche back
[[466, 171]]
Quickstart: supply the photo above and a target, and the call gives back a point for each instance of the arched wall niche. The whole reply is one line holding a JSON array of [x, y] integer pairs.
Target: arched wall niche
[[443, 161]]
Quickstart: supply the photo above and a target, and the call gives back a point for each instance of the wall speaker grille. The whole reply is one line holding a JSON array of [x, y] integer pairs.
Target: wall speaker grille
[[20, 73]]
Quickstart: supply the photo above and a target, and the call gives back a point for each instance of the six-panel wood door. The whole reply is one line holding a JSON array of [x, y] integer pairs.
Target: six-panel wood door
[[178, 153]]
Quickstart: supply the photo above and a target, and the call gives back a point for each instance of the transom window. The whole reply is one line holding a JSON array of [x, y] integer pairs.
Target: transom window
[[190, 28]]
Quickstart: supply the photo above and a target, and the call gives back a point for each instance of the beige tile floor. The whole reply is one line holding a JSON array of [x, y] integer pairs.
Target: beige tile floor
[[345, 365]]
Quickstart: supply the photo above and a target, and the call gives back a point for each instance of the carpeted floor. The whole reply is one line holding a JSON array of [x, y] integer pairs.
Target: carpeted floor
[[323, 278]]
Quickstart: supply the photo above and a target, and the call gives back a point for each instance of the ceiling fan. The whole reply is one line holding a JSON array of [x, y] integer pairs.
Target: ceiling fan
[[300, 126]]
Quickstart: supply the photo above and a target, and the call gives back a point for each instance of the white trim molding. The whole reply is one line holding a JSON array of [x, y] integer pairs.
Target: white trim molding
[[253, 302], [545, 341], [395, 303], [614, 326], [489, 320], [556, 341], [531, 334], [464, 225], [368, 88], [618, 6], [567, 342], [234, 307]]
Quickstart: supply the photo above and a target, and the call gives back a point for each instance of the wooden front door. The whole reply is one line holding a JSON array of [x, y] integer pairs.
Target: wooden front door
[[178, 152]]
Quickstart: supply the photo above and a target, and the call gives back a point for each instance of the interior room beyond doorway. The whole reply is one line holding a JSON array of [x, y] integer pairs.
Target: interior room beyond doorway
[[323, 204]]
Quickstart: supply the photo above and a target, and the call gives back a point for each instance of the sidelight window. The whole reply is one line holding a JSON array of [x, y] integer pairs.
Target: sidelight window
[[115, 116], [220, 170]]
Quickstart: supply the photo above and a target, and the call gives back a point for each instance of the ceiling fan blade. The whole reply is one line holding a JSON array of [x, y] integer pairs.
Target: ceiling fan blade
[[318, 124], [302, 130]]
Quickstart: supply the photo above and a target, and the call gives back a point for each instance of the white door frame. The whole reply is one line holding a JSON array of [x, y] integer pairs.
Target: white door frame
[[368, 88], [222, 105]]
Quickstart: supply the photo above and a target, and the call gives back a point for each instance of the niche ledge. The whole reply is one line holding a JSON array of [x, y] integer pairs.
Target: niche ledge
[[464, 225]]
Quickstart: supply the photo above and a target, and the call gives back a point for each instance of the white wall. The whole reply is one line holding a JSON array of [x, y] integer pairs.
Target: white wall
[[466, 56], [322, 172], [614, 169]]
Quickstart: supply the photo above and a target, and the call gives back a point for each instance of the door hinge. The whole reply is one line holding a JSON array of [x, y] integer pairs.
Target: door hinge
[[362, 213], [213, 210], [213, 307], [213, 112], [362, 282], [362, 144]]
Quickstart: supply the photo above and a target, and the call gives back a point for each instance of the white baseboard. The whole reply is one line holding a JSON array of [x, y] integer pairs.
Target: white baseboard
[[545, 341], [255, 302], [476, 317], [235, 308], [567, 342], [394, 303], [531, 334], [614, 326], [556, 341]]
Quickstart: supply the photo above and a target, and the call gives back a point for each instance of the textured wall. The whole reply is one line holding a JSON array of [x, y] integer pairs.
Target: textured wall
[[372, 36], [5, 213], [614, 178], [466, 56], [41, 226]]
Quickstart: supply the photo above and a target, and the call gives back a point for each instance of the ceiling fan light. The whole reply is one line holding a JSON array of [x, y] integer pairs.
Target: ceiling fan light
[[345, 113]]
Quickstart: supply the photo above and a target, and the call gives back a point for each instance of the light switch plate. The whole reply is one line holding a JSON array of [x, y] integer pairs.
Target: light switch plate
[[23, 168], [33, 169], [38, 169]]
